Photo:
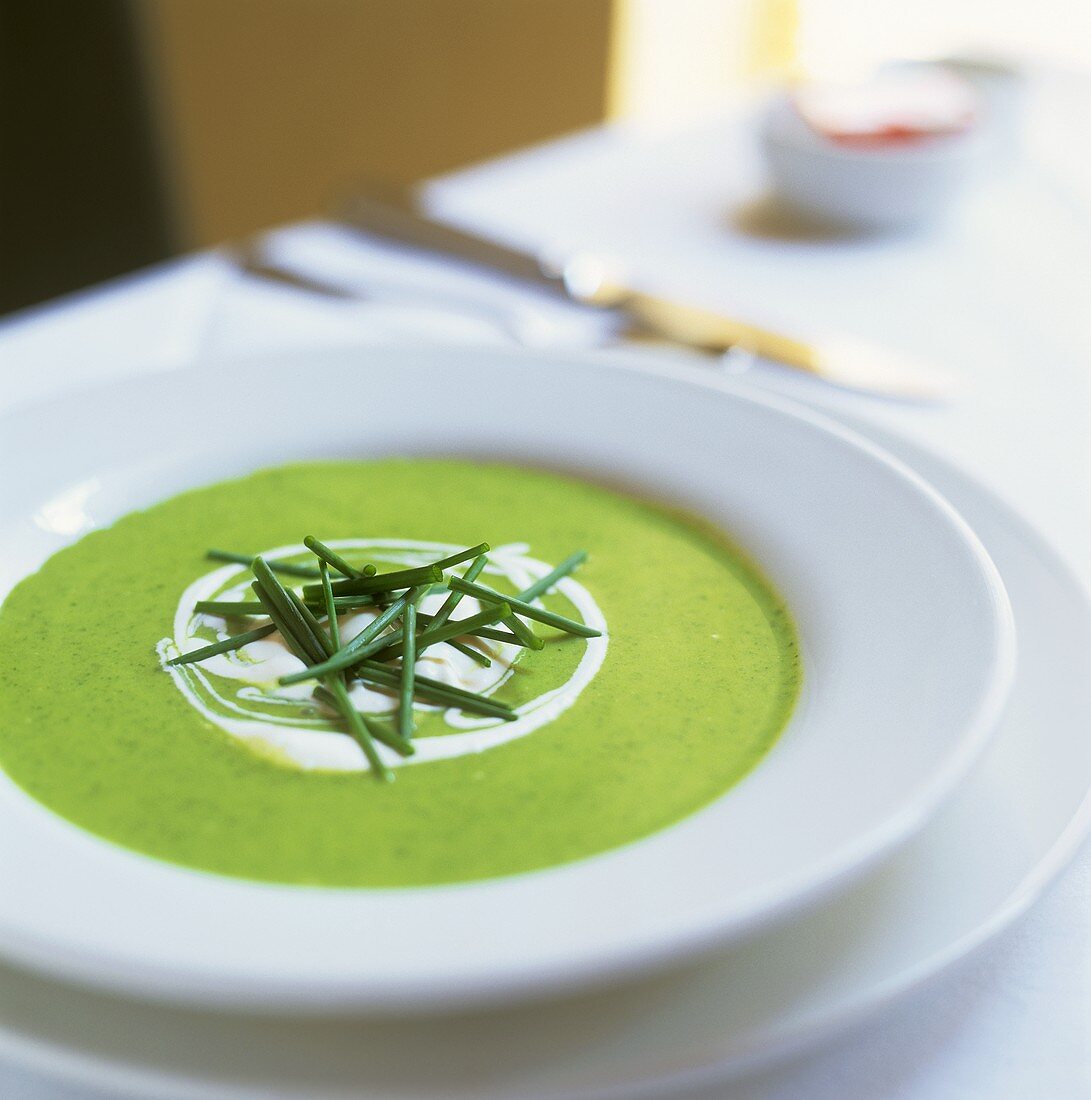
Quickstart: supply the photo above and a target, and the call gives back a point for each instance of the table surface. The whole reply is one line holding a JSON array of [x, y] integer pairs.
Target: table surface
[[996, 295]]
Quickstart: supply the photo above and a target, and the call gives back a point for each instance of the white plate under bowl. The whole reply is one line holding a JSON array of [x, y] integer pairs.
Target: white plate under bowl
[[905, 629], [976, 866]]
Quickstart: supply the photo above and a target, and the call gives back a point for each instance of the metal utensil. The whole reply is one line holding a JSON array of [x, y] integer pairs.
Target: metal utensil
[[523, 325], [588, 280]]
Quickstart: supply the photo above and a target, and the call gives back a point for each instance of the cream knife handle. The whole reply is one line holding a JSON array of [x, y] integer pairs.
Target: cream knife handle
[[710, 331], [843, 361]]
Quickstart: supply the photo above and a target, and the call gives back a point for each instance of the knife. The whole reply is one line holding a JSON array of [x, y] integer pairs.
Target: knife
[[588, 280]]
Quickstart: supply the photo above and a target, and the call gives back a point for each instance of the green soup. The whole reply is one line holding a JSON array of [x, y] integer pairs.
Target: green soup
[[695, 678]]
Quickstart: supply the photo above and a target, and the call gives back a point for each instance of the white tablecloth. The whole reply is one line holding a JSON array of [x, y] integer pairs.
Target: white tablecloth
[[998, 296]]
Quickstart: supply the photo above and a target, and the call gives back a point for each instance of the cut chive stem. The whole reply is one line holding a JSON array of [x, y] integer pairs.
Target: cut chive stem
[[387, 737], [291, 640], [449, 689], [463, 555], [388, 675], [347, 603], [376, 626], [497, 635], [435, 697], [359, 730], [279, 566], [409, 666], [469, 651], [230, 609], [521, 607], [453, 629], [288, 610], [240, 609], [435, 691], [225, 645], [544, 584], [489, 632], [314, 628], [314, 598], [330, 557], [492, 635], [380, 582], [363, 645], [343, 659], [331, 609], [376, 728], [526, 636], [455, 598]]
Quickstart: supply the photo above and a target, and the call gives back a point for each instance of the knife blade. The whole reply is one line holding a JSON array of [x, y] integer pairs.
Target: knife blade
[[590, 280]]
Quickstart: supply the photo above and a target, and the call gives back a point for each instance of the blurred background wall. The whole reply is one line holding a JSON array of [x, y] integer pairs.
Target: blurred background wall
[[270, 106], [140, 128], [82, 184], [134, 129]]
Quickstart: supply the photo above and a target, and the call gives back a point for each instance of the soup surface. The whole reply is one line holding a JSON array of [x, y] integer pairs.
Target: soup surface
[[215, 766]]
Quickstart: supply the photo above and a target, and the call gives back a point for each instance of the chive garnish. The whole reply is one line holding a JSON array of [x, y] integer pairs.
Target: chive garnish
[[469, 651], [287, 609], [526, 636], [376, 626], [491, 633], [330, 557], [347, 603], [453, 629], [409, 667], [449, 689], [359, 730], [377, 599], [294, 643], [521, 607], [455, 598], [279, 566], [399, 630], [387, 736], [497, 635], [544, 584], [230, 609], [380, 582], [225, 645], [239, 609], [367, 642], [463, 555], [314, 629], [331, 610], [304, 635], [436, 691], [452, 601], [376, 728]]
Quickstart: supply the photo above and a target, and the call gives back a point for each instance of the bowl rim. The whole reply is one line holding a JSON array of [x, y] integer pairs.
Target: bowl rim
[[713, 929]]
